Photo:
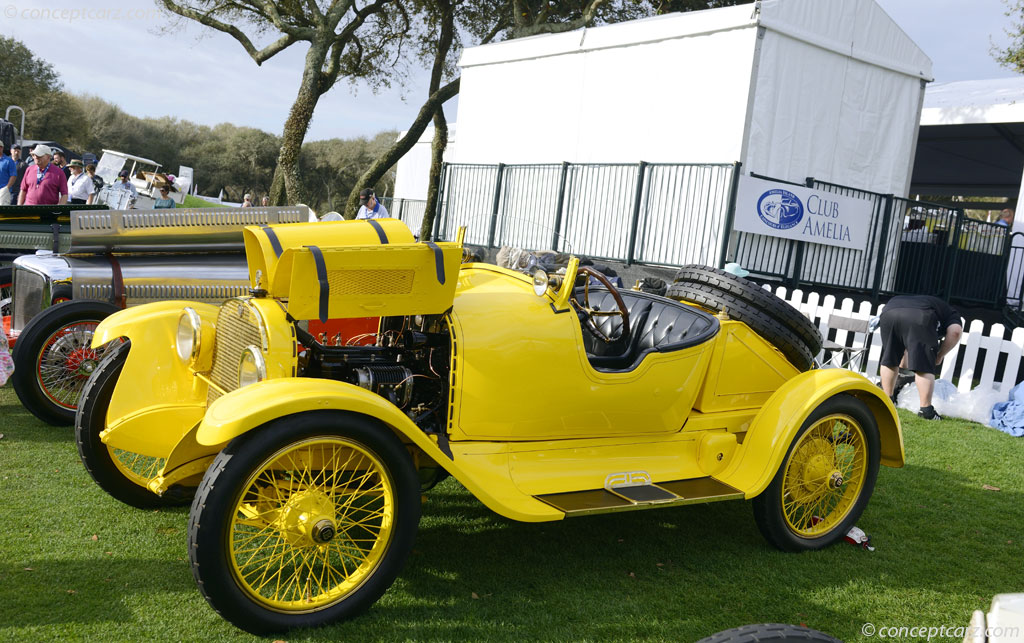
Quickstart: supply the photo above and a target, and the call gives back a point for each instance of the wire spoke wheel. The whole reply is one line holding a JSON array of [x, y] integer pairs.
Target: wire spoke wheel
[[137, 468], [825, 481], [824, 476], [304, 521], [66, 361], [311, 524]]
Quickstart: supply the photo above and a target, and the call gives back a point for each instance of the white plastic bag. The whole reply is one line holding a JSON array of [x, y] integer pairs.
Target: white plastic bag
[[975, 405]]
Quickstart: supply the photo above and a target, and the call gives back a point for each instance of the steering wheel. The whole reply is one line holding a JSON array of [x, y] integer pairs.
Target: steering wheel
[[589, 313]]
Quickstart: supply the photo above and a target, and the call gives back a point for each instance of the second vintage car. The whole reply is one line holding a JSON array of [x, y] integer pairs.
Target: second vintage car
[[306, 461]]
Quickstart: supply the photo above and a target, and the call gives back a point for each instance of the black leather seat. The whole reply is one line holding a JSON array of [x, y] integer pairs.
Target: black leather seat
[[656, 324]]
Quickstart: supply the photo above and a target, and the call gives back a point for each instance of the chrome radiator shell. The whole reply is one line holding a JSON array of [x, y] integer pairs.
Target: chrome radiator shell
[[34, 278]]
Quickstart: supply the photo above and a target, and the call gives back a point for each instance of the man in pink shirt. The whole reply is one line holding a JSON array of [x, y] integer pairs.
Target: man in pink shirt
[[44, 183]]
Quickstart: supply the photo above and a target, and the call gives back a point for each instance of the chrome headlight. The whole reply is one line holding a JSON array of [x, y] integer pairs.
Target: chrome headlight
[[540, 282], [189, 334], [251, 368]]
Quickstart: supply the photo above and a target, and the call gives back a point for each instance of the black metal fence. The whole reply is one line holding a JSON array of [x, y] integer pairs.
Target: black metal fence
[[675, 214], [914, 247]]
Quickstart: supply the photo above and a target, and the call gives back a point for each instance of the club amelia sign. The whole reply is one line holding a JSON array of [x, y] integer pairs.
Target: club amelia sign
[[802, 214]]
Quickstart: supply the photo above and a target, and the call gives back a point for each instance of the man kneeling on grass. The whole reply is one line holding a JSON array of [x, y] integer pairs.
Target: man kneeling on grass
[[917, 332]]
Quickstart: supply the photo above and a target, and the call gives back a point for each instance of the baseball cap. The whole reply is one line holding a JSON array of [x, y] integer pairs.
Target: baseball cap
[[42, 150], [365, 194], [15, 147], [124, 173], [736, 269]]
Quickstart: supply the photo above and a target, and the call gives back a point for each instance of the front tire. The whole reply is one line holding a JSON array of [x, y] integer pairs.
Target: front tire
[[53, 358], [326, 503], [122, 474], [826, 479]]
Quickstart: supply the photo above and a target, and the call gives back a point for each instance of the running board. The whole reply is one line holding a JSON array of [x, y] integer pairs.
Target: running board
[[642, 496]]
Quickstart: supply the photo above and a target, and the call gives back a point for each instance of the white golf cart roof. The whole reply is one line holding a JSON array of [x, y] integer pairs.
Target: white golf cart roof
[[132, 157]]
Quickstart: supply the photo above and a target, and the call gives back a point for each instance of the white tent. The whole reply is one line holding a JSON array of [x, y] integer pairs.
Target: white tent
[[791, 88]]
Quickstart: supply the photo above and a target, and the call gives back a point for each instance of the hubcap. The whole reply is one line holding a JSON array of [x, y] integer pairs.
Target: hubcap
[[307, 519]]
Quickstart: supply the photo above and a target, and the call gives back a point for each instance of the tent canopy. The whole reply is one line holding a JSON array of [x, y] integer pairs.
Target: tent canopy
[[971, 141]]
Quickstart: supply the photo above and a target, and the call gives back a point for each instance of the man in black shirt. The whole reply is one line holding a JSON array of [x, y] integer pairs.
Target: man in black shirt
[[917, 330]]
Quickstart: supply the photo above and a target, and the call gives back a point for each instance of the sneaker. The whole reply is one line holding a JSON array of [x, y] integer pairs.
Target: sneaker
[[928, 413]]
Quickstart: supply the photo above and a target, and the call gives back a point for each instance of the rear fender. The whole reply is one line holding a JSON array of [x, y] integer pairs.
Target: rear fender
[[776, 424]]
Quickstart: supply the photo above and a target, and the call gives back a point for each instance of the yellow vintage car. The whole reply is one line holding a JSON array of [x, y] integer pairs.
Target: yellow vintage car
[[306, 456]]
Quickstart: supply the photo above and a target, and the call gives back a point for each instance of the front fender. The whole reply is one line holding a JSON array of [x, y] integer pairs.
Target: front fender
[[776, 424], [149, 320], [157, 398], [250, 407]]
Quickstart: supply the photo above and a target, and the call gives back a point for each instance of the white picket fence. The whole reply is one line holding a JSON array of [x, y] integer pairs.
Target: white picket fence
[[981, 350]]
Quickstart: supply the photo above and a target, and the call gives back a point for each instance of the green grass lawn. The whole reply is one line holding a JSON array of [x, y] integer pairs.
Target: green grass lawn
[[75, 564], [196, 202]]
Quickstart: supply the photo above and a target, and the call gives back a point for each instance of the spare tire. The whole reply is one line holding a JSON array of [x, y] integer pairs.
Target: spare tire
[[769, 316]]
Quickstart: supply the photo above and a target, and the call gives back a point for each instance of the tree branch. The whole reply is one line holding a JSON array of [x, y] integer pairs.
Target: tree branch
[[258, 55], [333, 68]]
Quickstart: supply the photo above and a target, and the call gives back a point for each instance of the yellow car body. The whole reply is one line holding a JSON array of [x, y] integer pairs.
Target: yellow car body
[[526, 421]]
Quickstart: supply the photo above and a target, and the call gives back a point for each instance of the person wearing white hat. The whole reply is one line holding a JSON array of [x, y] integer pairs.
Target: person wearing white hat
[[45, 184]]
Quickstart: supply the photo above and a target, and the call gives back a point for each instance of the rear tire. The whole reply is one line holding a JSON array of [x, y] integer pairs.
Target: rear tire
[[769, 316], [53, 358], [825, 481]]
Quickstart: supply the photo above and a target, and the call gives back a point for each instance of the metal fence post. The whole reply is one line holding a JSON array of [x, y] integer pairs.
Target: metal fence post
[[558, 210], [881, 246], [637, 198], [954, 250], [494, 207], [730, 214]]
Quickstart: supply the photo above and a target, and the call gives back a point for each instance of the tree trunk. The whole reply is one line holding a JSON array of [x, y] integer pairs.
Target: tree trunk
[[384, 162], [437, 149], [286, 188]]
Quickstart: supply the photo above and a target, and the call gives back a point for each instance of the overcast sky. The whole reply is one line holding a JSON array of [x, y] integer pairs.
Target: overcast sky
[[206, 77]]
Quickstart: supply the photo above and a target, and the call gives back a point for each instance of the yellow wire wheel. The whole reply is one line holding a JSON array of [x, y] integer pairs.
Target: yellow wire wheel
[[304, 522], [826, 479], [311, 524]]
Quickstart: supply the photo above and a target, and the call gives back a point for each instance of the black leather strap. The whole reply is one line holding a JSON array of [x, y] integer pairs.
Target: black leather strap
[[380, 231], [321, 277], [438, 261], [274, 242]]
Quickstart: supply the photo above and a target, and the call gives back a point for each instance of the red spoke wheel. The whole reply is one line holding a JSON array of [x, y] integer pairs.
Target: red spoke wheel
[[53, 358]]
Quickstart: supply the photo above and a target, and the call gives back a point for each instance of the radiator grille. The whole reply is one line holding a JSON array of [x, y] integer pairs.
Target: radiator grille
[[370, 282], [237, 329]]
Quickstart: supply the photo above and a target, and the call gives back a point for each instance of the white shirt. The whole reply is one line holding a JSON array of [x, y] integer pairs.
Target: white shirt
[[378, 212], [80, 187]]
